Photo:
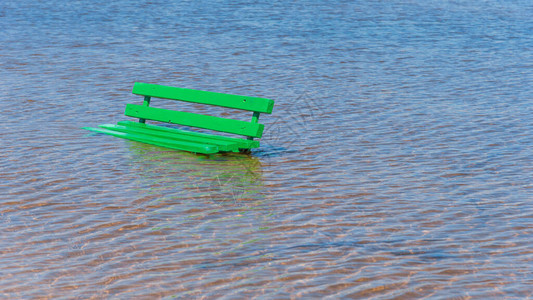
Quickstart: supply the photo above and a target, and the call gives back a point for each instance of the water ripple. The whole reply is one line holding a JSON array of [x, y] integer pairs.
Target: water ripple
[[396, 164]]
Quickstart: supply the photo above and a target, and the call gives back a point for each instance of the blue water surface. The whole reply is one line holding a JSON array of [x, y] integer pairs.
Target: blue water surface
[[397, 163]]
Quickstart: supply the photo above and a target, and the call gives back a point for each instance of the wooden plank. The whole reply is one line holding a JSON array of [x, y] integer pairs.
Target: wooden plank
[[241, 143], [173, 136], [262, 105], [179, 145], [195, 120]]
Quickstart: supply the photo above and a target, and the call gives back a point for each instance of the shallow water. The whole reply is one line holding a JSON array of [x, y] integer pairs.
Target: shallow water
[[397, 162]]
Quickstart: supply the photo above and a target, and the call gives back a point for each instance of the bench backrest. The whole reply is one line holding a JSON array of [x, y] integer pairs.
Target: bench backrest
[[250, 129]]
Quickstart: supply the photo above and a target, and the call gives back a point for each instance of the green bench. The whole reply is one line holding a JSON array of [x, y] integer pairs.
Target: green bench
[[188, 140]]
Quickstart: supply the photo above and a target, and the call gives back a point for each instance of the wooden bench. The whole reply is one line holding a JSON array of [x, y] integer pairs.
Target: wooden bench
[[186, 139]]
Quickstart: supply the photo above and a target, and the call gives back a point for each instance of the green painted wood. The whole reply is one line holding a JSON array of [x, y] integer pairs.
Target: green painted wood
[[195, 120], [179, 145], [241, 143], [255, 119], [184, 139], [173, 136], [146, 103], [262, 105]]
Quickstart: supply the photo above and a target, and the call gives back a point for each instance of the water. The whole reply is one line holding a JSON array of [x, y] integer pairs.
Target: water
[[397, 162]]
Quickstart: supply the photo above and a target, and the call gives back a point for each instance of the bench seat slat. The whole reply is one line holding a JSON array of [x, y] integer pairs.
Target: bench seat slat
[[240, 142], [174, 136], [257, 104], [173, 144], [195, 120]]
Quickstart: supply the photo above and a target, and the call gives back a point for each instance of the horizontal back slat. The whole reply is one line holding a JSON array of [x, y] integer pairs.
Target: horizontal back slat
[[195, 120], [262, 105]]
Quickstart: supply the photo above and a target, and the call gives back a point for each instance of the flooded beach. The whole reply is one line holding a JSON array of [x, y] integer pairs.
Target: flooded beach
[[397, 162]]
